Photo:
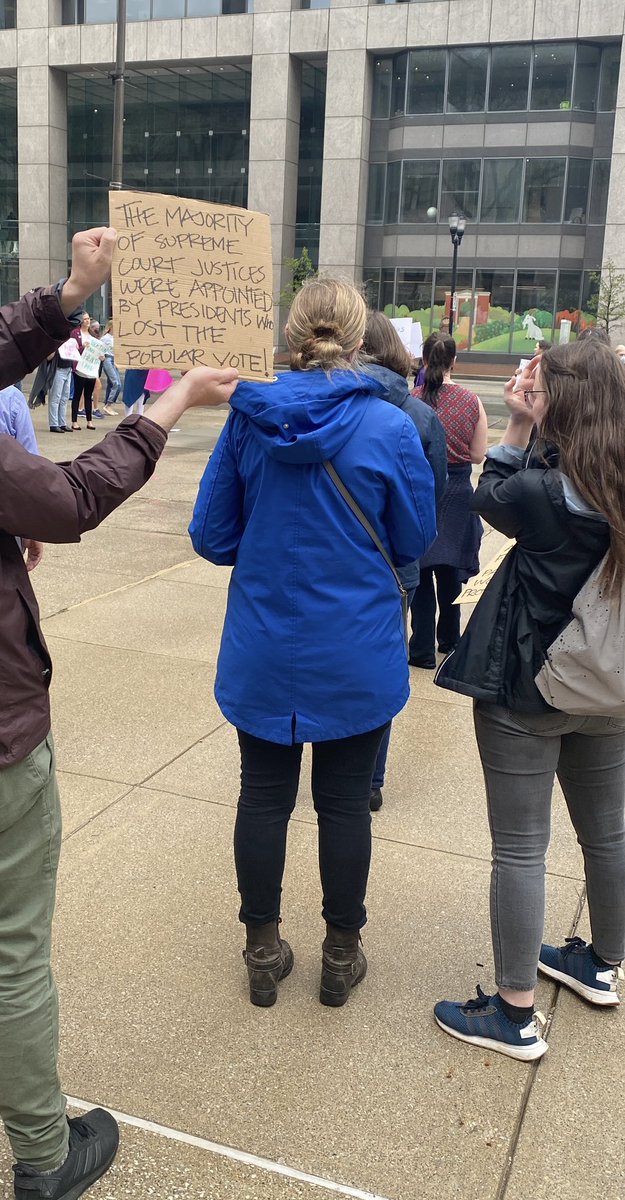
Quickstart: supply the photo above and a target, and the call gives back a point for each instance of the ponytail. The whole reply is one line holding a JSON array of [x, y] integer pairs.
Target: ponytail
[[439, 352]]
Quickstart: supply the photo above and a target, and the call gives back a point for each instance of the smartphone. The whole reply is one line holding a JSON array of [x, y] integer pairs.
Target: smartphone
[[523, 365]]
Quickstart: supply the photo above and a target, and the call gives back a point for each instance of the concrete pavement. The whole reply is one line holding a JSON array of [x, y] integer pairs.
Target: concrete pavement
[[296, 1102]]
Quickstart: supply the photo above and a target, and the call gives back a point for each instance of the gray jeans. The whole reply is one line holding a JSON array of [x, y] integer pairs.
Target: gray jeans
[[521, 754]]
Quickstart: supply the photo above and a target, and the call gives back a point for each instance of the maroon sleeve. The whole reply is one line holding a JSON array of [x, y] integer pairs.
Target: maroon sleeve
[[57, 502], [30, 329]]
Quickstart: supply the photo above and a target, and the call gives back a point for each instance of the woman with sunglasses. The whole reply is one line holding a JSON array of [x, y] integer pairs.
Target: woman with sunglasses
[[565, 507]]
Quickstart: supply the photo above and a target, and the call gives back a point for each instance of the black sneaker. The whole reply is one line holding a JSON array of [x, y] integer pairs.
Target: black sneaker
[[375, 799], [93, 1142]]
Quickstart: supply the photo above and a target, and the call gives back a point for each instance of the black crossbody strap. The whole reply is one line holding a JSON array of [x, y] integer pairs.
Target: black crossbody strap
[[366, 524]]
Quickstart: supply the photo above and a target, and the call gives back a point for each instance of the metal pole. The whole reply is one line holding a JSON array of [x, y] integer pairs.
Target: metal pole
[[454, 275], [118, 78], [117, 157]]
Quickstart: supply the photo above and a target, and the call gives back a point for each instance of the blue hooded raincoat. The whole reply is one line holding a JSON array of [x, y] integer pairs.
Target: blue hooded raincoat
[[313, 643]]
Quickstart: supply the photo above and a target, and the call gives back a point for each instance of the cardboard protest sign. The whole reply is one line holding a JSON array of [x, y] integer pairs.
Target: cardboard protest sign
[[192, 285], [477, 586], [91, 358]]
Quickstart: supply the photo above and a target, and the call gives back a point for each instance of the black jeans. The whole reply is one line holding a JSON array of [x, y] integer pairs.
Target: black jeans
[[82, 387], [423, 612], [341, 784]]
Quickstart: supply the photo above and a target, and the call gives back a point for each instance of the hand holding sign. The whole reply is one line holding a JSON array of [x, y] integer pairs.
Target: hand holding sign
[[192, 285]]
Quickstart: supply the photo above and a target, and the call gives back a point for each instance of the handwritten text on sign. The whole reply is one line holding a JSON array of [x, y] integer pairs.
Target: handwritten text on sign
[[476, 587], [192, 285]]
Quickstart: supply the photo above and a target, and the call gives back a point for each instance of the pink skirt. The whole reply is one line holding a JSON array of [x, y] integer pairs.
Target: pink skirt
[[158, 381]]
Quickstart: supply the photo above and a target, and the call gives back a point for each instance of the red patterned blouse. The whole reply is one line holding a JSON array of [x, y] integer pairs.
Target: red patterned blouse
[[459, 410]]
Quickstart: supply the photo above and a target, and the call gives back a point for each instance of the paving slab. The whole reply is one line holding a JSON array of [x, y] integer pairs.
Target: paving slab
[[158, 616], [59, 587], [150, 1165], [122, 714], [104, 550], [157, 1023], [84, 797], [434, 800]]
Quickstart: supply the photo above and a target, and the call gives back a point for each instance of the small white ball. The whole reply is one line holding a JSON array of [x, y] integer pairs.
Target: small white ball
[[432, 212]]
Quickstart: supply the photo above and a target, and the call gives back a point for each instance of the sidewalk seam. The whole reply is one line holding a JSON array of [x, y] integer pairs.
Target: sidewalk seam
[[506, 1174]]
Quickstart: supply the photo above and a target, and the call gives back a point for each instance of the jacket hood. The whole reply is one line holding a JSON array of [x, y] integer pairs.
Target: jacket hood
[[306, 416], [396, 387]]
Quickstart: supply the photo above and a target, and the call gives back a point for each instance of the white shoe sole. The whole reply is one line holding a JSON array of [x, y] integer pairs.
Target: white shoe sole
[[602, 999], [523, 1053]]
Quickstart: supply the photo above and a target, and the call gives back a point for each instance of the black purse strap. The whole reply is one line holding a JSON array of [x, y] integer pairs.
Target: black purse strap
[[366, 524]]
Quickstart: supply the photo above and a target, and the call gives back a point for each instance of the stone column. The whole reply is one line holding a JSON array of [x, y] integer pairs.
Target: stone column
[[614, 243], [41, 150], [345, 160], [274, 138]]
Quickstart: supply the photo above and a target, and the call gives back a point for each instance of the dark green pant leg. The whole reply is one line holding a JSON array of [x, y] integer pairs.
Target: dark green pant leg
[[32, 1105]]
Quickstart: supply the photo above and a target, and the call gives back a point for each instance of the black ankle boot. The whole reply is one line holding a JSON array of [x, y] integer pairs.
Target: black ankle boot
[[343, 965], [269, 959]]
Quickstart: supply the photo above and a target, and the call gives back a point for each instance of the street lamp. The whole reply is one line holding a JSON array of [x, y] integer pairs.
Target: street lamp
[[457, 226]]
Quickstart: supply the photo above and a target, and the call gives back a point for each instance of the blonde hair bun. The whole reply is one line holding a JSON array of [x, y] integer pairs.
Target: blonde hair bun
[[326, 325]]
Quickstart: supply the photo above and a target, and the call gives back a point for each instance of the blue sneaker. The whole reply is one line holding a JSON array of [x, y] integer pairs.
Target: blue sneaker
[[484, 1023], [572, 965]]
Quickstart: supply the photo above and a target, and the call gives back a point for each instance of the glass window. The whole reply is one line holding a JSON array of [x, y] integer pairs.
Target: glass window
[[599, 191], [442, 305], [543, 191], [426, 81], [533, 309], [466, 91], [567, 303], [101, 11], [610, 65], [398, 95], [310, 158], [419, 189], [162, 9], [461, 188], [552, 81], [371, 281], [7, 14], [375, 196], [315, 3], [501, 189], [586, 76], [393, 181], [576, 202], [382, 87], [138, 10], [203, 8], [492, 311], [590, 295], [387, 291], [9, 226], [509, 78], [413, 296]]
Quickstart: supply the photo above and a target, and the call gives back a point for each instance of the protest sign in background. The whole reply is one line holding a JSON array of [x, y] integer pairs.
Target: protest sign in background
[[191, 285]]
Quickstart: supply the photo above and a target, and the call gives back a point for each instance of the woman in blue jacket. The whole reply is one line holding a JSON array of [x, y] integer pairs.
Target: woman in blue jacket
[[313, 646]]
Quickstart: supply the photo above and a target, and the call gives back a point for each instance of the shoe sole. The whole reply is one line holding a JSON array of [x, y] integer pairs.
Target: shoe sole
[[600, 999], [522, 1053]]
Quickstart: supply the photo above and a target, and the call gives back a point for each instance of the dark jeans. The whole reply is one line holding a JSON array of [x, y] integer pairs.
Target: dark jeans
[[521, 755], [341, 784], [82, 386], [425, 628]]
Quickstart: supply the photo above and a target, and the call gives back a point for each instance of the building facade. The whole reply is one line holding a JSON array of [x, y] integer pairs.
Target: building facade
[[359, 127]]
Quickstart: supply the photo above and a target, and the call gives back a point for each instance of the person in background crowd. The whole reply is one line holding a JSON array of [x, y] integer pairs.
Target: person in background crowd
[[135, 393], [565, 512], [65, 360], [313, 647], [16, 421], [98, 413], [56, 1158], [594, 333], [42, 381], [83, 385], [389, 361], [541, 345], [113, 377], [454, 557]]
